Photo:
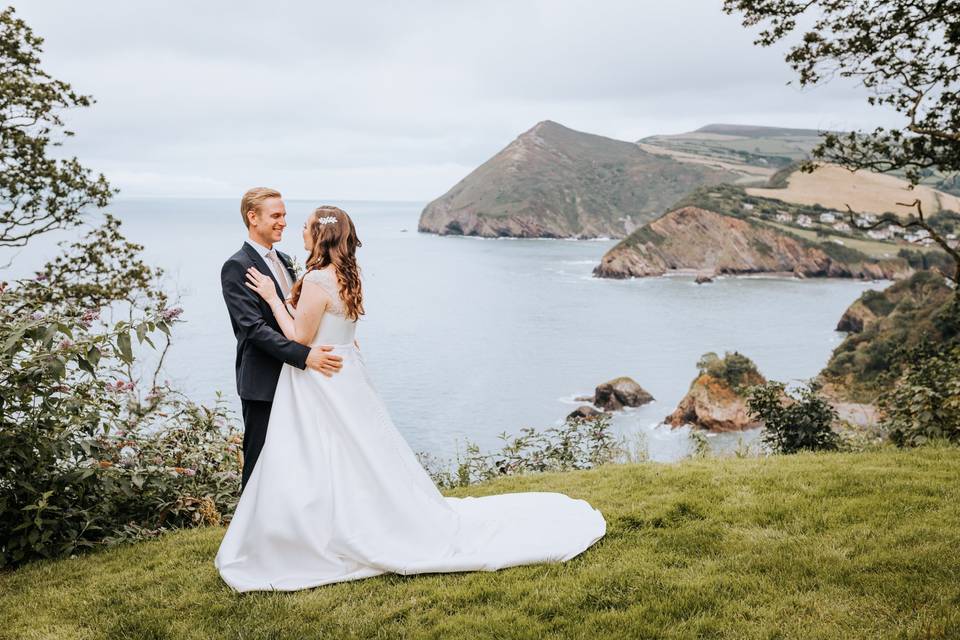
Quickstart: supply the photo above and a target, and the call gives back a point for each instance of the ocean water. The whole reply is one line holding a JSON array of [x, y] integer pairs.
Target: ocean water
[[467, 338]]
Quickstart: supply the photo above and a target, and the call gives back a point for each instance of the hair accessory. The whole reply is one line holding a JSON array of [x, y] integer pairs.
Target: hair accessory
[[327, 220]]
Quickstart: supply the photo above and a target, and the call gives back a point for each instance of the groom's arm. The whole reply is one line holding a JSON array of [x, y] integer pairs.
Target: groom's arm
[[244, 307]]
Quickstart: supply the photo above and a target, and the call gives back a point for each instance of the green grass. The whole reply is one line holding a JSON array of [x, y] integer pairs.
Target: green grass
[[872, 248], [809, 546]]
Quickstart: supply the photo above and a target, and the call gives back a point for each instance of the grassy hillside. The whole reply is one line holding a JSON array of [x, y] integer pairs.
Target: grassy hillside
[[867, 360], [553, 181], [811, 546], [756, 152], [767, 147]]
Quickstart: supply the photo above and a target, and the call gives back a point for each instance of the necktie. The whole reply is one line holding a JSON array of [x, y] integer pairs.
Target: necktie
[[280, 269]]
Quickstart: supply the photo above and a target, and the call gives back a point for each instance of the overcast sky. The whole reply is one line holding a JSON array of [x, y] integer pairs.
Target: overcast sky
[[398, 100]]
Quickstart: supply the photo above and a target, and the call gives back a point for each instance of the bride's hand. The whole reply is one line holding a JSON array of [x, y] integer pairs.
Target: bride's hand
[[263, 285]]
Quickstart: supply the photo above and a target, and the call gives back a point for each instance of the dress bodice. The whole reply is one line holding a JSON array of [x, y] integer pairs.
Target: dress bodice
[[335, 327]]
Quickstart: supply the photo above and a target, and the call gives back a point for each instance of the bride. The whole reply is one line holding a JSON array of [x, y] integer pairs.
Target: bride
[[337, 494]]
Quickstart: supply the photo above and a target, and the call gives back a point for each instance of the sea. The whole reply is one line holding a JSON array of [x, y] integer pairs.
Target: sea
[[469, 340]]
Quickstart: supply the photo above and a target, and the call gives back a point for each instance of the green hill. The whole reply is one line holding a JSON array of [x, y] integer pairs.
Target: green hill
[[554, 182], [767, 147], [809, 546]]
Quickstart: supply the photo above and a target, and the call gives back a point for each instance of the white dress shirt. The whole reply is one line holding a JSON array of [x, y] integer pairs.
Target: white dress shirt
[[263, 251]]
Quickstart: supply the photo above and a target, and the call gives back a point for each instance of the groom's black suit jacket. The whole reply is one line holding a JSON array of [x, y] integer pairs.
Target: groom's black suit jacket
[[261, 346]]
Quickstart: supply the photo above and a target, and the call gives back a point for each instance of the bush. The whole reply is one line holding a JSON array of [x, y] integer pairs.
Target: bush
[[924, 405], [94, 450], [581, 443], [792, 423]]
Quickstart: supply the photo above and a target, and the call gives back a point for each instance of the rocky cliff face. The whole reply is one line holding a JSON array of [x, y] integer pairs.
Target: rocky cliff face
[[701, 241], [880, 323], [554, 182]]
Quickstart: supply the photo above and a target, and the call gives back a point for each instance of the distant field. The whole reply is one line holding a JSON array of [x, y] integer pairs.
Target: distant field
[[873, 248], [750, 173], [834, 187]]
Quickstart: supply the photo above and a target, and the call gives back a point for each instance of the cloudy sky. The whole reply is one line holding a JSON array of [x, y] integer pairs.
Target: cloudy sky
[[397, 100]]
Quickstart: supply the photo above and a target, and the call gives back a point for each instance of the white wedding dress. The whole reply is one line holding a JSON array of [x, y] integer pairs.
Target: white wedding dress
[[337, 494]]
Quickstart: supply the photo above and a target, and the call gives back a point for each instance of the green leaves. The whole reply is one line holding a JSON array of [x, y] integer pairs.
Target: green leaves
[[924, 404], [793, 422], [124, 349]]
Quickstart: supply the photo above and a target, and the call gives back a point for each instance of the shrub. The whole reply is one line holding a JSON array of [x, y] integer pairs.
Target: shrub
[[924, 404], [792, 423], [91, 448], [580, 443]]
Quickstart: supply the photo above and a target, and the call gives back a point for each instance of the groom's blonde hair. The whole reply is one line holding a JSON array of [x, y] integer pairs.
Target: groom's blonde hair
[[252, 200]]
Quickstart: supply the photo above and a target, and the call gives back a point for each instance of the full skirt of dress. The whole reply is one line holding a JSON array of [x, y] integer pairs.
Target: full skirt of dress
[[337, 494]]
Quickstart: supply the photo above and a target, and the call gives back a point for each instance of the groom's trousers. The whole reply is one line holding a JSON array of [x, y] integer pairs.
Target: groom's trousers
[[256, 416]]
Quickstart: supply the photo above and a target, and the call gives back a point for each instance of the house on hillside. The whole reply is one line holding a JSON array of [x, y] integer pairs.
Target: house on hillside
[[841, 226], [880, 233], [828, 217], [784, 216], [804, 220]]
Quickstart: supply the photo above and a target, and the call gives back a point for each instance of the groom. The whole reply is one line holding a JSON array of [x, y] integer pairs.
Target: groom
[[261, 346]]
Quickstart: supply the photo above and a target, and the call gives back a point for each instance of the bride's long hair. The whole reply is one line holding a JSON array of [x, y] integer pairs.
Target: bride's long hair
[[335, 242]]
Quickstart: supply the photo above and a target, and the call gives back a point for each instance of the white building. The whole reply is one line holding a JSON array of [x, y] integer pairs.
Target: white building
[[880, 233], [783, 216], [827, 217], [841, 226]]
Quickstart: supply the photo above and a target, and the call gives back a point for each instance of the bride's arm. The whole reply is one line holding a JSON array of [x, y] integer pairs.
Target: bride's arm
[[302, 326]]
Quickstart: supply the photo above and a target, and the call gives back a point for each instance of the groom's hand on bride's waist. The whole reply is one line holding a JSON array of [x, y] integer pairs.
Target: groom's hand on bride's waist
[[326, 363]]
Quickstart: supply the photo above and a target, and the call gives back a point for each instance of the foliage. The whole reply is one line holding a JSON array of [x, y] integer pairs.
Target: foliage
[[88, 458], [906, 53], [93, 449], [736, 369], [924, 404], [793, 422], [37, 193], [916, 308], [580, 443]]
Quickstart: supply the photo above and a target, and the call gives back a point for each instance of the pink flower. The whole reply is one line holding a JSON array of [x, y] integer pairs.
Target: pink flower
[[171, 313], [89, 316]]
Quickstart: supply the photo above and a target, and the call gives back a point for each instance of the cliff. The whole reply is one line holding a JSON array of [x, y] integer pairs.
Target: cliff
[[880, 323], [698, 240]]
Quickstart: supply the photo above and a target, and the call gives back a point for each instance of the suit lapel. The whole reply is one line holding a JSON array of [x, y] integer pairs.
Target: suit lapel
[[262, 267]]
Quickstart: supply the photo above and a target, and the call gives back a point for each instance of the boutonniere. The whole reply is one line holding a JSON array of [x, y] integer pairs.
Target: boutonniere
[[296, 266]]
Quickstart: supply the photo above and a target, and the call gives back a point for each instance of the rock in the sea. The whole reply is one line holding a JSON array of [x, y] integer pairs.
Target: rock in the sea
[[716, 399], [586, 412], [619, 393], [696, 239], [702, 279]]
